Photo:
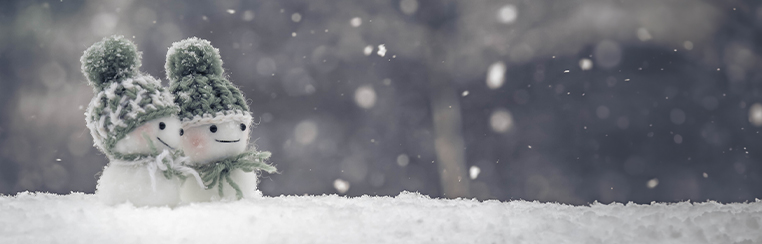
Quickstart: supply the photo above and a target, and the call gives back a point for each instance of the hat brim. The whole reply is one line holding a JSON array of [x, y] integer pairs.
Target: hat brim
[[218, 118]]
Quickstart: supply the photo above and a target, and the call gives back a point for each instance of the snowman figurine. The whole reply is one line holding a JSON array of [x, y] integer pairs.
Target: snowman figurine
[[217, 122], [133, 121]]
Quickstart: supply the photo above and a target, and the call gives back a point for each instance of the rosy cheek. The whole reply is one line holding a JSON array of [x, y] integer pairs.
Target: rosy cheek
[[143, 129], [139, 132], [194, 145], [196, 141]]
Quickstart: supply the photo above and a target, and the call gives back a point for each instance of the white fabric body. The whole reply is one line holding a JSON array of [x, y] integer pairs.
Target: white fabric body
[[142, 181], [136, 183]]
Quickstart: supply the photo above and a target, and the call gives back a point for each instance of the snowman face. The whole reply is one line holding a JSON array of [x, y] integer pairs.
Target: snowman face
[[162, 133], [205, 143]]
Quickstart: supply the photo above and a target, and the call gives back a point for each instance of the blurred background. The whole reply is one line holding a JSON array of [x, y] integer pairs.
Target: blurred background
[[570, 101]]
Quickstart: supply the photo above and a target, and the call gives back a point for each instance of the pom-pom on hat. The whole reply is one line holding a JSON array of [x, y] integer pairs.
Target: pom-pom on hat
[[205, 96], [124, 98]]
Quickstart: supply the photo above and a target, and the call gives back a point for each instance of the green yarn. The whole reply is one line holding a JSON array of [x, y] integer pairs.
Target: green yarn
[[199, 95], [194, 70], [193, 56], [124, 99], [112, 59], [216, 172]]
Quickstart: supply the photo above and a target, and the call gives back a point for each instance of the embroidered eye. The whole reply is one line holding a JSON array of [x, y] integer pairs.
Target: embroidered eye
[[243, 127], [213, 128], [182, 132], [162, 126]]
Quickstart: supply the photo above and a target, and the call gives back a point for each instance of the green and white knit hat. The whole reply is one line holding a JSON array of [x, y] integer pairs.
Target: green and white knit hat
[[205, 96], [124, 98]]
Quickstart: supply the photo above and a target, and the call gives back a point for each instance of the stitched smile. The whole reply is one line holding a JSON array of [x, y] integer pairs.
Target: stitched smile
[[165, 144], [223, 141]]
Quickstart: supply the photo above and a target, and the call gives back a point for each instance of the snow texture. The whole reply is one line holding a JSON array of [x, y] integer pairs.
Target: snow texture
[[407, 218]]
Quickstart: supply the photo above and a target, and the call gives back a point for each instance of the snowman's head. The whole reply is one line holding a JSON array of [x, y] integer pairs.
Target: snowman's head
[[152, 137], [208, 142], [213, 110], [128, 106]]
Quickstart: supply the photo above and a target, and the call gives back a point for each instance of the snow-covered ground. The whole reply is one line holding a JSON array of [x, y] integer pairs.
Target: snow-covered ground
[[407, 218]]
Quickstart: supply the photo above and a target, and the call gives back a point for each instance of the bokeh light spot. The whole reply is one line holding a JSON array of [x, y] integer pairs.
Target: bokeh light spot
[[306, 132], [296, 17], [365, 96], [507, 14], [496, 75], [403, 160], [355, 22], [677, 116], [652, 183], [368, 50], [409, 6], [473, 172], [501, 121], [585, 64], [755, 114], [608, 54], [341, 186]]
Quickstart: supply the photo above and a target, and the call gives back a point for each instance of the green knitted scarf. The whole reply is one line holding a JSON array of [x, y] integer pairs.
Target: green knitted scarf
[[216, 172]]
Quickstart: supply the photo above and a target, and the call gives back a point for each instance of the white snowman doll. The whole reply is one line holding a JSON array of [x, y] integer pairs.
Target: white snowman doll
[[217, 122], [133, 121]]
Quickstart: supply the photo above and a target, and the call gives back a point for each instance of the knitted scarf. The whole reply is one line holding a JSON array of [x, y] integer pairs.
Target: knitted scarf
[[215, 173], [171, 164]]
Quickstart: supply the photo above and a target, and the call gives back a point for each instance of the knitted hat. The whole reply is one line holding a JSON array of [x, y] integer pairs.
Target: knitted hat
[[124, 98], [205, 96]]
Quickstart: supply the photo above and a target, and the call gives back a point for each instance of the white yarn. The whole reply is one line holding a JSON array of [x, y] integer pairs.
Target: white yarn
[[151, 107], [135, 104], [109, 91], [179, 165], [157, 98], [219, 117], [97, 131], [114, 115], [128, 83]]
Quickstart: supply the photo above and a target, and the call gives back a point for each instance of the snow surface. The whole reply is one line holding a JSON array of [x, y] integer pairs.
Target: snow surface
[[407, 218]]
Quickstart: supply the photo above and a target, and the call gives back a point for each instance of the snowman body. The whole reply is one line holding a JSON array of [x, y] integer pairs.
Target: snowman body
[[209, 143], [123, 182], [141, 180], [216, 120], [134, 121]]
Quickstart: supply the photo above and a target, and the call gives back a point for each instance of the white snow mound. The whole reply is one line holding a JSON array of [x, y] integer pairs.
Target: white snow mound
[[407, 218]]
